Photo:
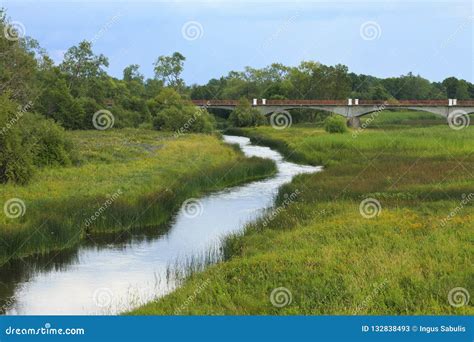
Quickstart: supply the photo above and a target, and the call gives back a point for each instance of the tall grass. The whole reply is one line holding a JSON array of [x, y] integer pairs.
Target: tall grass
[[127, 180], [332, 259]]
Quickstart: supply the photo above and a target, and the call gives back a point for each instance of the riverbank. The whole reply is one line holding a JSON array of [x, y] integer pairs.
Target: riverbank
[[385, 229], [125, 180]]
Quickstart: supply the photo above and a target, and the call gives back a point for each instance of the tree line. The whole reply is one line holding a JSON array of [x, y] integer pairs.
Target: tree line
[[312, 80], [39, 99]]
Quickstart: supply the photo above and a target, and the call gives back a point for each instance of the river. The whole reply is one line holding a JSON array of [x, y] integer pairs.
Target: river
[[108, 277]]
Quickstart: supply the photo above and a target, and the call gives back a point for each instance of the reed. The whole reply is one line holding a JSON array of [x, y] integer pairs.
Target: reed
[[332, 259], [128, 180]]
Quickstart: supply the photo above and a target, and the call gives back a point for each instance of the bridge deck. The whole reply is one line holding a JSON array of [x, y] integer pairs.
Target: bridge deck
[[399, 103]]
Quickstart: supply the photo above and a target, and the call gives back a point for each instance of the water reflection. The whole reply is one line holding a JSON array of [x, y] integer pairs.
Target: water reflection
[[109, 275]]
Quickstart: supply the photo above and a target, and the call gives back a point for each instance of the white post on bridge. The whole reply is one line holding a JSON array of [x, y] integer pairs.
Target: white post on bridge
[[450, 102], [349, 102], [356, 102], [254, 102], [455, 102], [264, 101]]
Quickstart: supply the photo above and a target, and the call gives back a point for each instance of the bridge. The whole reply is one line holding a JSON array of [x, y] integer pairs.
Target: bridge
[[352, 109]]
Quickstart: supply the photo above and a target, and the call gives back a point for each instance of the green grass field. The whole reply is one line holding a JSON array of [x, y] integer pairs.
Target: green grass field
[[132, 178], [329, 257]]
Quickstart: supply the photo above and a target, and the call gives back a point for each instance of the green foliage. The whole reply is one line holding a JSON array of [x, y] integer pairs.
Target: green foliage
[[16, 160], [172, 113], [82, 66], [28, 140], [50, 145], [56, 101], [28, 74], [19, 59], [245, 116], [328, 245], [131, 73], [123, 162], [89, 106], [168, 69], [335, 124]]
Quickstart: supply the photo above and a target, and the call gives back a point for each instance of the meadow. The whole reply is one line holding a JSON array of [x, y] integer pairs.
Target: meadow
[[123, 180], [330, 252]]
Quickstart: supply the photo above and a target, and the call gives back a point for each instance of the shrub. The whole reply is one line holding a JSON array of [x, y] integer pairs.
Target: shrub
[[246, 116], [49, 144], [335, 124], [16, 162], [171, 113], [184, 119], [56, 102], [124, 117], [89, 106], [28, 140]]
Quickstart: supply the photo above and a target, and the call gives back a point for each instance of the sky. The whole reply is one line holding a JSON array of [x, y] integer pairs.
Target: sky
[[379, 38]]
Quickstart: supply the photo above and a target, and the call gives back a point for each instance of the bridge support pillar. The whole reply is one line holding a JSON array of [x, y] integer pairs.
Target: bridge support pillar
[[353, 122]]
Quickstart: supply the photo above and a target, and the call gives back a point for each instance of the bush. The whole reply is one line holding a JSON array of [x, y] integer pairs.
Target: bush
[[124, 117], [16, 162], [171, 113], [184, 119], [50, 146], [246, 116], [89, 106], [56, 102], [335, 124], [28, 140]]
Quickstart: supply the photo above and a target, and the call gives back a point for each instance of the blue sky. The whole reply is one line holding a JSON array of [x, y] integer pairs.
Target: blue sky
[[380, 38]]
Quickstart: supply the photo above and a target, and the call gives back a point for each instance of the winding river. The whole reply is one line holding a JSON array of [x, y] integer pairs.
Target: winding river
[[108, 277]]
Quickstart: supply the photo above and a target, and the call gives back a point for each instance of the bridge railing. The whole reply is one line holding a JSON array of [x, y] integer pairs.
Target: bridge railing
[[389, 103], [395, 103], [466, 103], [215, 102]]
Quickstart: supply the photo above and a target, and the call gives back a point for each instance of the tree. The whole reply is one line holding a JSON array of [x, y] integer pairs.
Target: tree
[[462, 91], [82, 66], [245, 116], [168, 69], [378, 93], [17, 63], [171, 112], [56, 101], [16, 163], [131, 73]]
